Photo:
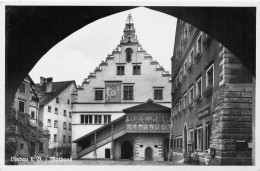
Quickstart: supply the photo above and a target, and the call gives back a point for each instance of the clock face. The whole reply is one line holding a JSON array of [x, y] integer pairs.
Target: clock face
[[112, 93]]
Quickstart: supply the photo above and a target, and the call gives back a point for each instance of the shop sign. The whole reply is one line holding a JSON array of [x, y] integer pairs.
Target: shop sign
[[203, 113]]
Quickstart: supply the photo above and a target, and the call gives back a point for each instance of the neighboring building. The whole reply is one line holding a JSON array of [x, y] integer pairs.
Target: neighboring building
[[55, 110], [211, 99], [25, 118], [128, 77]]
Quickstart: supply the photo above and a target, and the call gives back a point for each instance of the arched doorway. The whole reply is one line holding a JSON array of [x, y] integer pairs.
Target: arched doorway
[[185, 139], [126, 150], [148, 154]]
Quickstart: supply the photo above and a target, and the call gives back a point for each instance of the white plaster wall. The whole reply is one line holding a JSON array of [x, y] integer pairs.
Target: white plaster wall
[[100, 152], [62, 105], [148, 141]]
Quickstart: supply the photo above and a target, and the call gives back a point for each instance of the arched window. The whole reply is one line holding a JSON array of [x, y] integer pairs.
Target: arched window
[[129, 52]]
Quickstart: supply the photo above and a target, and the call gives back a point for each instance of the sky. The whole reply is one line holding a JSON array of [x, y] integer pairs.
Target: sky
[[81, 52]]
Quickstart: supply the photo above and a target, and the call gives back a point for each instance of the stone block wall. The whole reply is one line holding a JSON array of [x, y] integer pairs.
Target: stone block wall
[[232, 124]]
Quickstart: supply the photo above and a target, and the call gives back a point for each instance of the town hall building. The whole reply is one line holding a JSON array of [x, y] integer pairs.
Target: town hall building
[[122, 110]]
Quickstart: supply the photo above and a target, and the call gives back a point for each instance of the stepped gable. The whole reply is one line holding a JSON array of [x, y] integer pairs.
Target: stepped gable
[[128, 36], [149, 106], [57, 88]]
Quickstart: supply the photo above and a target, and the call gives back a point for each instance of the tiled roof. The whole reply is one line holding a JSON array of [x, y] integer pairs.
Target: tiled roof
[[149, 106], [57, 88]]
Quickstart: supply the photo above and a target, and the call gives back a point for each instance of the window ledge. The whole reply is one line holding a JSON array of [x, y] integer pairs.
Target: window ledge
[[128, 99]]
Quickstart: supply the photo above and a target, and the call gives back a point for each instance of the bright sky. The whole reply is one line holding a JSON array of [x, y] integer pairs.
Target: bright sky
[[78, 54]]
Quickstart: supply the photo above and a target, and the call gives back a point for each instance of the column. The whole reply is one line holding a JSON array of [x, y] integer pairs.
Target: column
[[112, 142]]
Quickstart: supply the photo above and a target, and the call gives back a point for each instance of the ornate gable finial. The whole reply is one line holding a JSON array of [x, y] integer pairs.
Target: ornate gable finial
[[129, 19]]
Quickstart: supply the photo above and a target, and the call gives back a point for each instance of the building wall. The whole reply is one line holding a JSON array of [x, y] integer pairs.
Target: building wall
[[152, 76], [227, 69], [62, 105]]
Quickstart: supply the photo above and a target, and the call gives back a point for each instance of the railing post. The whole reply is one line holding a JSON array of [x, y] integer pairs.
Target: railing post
[[95, 151], [112, 142]]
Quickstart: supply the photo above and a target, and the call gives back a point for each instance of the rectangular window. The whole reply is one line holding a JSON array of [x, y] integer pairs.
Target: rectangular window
[[105, 119], [191, 94], [68, 101], [69, 126], [120, 70], [49, 108], [22, 88], [41, 147], [191, 56], [199, 138], [56, 110], [185, 67], [158, 94], [191, 135], [55, 138], [32, 114], [98, 94], [64, 113], [82, 119], [98, 119], [109, 118], [64, 138], [199, 44], [184, 100], [136, 70], [199, 86], [128, 93], [21, 105], [49, 123], [21, 146], [70, 114], [69, 139], [180, 75], [90, 119], [55, 124], [210, 76], [57, 100], [180, 103], [64, 125], [208, 132]]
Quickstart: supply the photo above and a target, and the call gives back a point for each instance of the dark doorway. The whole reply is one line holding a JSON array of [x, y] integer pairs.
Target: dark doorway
[[32, 150], [107, 153], [148, 154], [126, 150], [185, 139], [166, 148]]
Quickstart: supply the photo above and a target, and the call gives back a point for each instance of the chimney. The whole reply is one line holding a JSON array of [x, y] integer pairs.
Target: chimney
[[49, 85], [42, 81]]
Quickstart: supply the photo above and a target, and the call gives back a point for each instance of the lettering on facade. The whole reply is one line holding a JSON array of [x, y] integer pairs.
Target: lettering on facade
[[203, 113], [148, 124], [148, 119], [112, 91]]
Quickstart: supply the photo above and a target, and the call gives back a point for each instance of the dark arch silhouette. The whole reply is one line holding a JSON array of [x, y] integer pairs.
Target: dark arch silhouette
[[33, 30], [126, 150]]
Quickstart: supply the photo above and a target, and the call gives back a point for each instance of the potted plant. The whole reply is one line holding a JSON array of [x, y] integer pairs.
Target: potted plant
[[208, 91], [197, 99], [197, 56], [190, 106], [190, 66], [207, 41]]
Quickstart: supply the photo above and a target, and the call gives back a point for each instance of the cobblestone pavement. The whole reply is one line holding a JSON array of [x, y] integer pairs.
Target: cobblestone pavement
[[101, 162]]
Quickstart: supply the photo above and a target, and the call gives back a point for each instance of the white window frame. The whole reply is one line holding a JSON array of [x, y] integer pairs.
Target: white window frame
[[180, 75], [197, 43], [48, 122], [199, 147], [23, 105], [180, 104], [207, 81], [191, 57], [200, 79], [191, 100], [191, 131], [185, 68], [184, 100]]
